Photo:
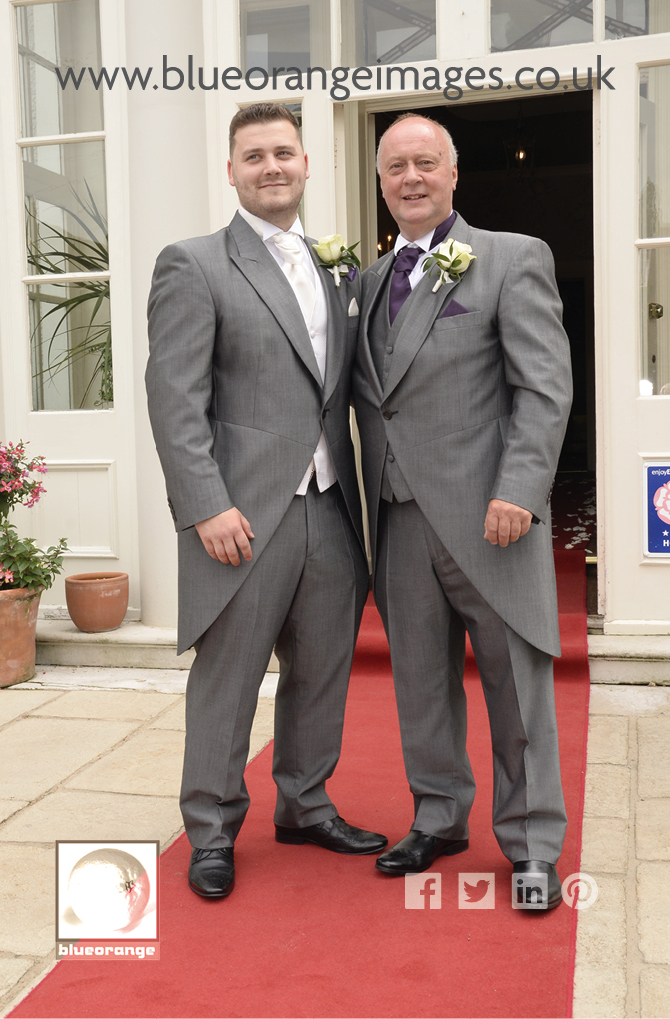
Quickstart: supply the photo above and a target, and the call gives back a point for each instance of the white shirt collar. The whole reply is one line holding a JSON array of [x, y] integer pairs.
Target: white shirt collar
[[266, 230], [422, 242]]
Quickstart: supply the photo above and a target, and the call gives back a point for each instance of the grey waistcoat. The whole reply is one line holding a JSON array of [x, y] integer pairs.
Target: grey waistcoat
[[382, 337]]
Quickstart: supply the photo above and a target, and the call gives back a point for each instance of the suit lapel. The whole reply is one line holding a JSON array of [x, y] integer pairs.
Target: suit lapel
[[375, 279], [337, 324], [269, 282], [425, 308]]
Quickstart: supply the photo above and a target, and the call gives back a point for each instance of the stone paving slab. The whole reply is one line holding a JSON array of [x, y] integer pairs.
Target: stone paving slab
[[654, 743], [9, 807], [601, 931], [38, 753], [15, 702], [600, 991], [113, 704], [27, 912], [653, 882], [173, 718], [655, 992], [95, 816], [605, 845], [148, 764], [607, 790], [652, 831], [11, 970], [608, 740]]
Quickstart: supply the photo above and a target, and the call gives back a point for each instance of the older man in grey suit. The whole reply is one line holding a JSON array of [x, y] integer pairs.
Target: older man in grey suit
[[251, 347], [462, 390]]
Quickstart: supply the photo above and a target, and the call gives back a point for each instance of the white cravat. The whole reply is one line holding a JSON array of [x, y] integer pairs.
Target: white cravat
[[289, 251], [294, 269]]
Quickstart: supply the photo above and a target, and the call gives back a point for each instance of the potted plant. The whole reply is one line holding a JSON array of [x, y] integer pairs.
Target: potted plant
[[25, 569]]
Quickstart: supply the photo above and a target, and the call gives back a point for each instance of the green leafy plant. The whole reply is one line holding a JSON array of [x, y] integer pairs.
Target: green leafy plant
[[48, 253], [23, 564]]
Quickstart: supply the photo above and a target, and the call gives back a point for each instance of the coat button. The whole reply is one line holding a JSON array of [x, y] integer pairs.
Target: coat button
[[391, 458], [387, 415], [389, 350]]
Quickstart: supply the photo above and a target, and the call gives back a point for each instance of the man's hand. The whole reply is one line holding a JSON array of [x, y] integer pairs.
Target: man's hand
[[505, 522], [223, 534]]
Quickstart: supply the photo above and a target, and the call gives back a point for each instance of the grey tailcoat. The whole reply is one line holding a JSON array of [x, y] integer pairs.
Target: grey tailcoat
[[236, 400], [477, 406]]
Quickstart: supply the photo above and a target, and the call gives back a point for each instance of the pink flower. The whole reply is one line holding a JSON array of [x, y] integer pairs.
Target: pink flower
[[662, 503], [8, 577]]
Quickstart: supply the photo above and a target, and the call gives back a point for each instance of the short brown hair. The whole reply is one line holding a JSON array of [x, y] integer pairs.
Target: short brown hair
[[259, 113]]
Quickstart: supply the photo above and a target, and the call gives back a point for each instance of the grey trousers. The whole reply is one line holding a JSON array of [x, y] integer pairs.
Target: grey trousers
[[305, 596], [427, 603]]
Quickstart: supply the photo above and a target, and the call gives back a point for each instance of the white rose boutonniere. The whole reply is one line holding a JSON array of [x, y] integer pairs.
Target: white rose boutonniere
[[335, 255], [451, 259]]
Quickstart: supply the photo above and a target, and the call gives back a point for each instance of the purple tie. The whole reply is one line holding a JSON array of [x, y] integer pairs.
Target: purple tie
[[404, 263]]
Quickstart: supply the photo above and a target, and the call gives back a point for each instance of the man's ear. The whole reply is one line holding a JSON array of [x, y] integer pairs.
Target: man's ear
[[306, 166], [229, 167]]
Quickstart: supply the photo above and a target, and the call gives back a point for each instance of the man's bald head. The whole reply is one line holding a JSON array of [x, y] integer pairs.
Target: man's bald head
[[453, 154]]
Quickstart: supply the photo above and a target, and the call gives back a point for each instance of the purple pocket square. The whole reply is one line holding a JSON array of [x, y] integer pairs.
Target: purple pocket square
[[453, 308]]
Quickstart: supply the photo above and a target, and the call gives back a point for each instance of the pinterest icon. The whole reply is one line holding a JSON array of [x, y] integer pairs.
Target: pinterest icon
[[579, 891]]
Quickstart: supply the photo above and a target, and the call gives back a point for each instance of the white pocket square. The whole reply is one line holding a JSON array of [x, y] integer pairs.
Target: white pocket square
[[353, 307]]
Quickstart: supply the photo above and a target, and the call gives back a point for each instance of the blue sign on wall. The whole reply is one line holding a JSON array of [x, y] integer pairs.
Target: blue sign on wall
[[657, 502]]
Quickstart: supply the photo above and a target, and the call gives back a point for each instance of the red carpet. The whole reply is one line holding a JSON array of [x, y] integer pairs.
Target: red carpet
[[310, 933]]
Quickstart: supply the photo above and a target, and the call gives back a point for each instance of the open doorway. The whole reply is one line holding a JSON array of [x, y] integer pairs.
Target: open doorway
[[526, 166]]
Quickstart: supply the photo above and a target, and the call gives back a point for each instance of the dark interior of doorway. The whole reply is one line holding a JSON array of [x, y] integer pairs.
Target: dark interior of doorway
[[547, 192]]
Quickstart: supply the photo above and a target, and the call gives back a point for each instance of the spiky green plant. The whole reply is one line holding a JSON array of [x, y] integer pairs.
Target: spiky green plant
[[48, 253]]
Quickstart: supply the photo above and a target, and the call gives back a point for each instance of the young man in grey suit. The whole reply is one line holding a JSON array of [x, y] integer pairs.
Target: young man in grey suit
[[251, 348], [462, 391]]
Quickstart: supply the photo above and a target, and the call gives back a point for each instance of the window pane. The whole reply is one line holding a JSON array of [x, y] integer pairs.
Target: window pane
[[66, 210], [284, 34], [655, 321], [385, 32], [636, 17], [526, 24], [60, 35], [655, 151], [71, 347]]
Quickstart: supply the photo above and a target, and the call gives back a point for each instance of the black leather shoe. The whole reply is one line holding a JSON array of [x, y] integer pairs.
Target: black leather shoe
[[334, 834], [554, 894], [416, 852], [212, 872]]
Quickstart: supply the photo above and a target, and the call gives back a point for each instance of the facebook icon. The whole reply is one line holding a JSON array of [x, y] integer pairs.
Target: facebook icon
[[423, 891]]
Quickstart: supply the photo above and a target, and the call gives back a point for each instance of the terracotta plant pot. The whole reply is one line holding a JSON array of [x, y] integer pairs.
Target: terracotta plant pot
[[97, 601], [18, 618]]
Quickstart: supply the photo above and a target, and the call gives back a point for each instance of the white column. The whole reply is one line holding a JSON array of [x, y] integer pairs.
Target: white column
[[168, 202]]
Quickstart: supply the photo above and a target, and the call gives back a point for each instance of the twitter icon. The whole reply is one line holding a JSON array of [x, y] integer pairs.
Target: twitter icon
[[476, 891]]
